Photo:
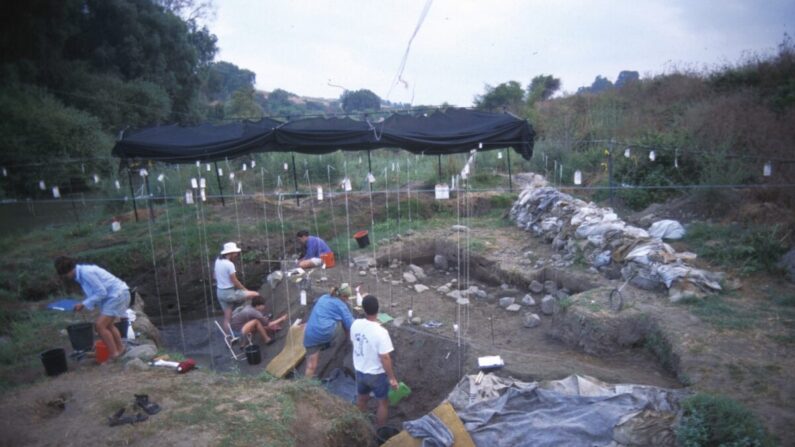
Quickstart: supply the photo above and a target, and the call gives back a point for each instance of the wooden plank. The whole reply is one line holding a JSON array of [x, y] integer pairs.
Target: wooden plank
[[449, 417], [292, 354]]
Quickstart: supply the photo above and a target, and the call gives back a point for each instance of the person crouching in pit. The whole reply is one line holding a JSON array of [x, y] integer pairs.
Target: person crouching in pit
[[102, 290], [251, 320], [230, 291]]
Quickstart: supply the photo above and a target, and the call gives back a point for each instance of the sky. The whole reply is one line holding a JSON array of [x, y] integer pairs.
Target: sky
[[303, 46]]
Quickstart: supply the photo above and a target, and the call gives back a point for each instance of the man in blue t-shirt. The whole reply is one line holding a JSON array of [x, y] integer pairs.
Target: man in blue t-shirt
[[312, 248], [329, 310]]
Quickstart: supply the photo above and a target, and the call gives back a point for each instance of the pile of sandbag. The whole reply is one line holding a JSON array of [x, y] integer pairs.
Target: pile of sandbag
[[609, 244]]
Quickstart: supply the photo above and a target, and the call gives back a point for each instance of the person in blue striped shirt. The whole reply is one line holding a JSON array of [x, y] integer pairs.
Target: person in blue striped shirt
[[104, 291]]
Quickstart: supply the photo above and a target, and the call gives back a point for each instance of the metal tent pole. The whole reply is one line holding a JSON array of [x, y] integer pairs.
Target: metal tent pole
[[220, 188], [132, 193], [295, 183]]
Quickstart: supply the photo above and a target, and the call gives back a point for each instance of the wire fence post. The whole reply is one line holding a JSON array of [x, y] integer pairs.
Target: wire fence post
[[132, 193], [220, 188], [610, 171], [510, 175]]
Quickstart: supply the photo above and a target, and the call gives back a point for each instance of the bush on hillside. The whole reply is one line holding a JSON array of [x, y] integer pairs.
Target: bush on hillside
[[710, 420]]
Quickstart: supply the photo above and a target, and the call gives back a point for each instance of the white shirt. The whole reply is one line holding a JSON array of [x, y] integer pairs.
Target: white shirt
[[223, 269], [370, 340]]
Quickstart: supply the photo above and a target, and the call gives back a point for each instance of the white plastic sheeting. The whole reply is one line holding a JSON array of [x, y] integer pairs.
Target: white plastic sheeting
[[667, 229]]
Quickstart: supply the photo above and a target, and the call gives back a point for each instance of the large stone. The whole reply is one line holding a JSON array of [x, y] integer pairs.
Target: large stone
[[536, 287], [459, 228], [507, 301], [143, 352], [550, 287], [443, 289], [419, 288], [549, 305], [455, 294], [562, 295], [514, 308], [417, 271], [409, 278], [364, 262], [136, 364], [528, 300], [531, 320], [362, 273], [463, 301], [416, 320], [440, 262]]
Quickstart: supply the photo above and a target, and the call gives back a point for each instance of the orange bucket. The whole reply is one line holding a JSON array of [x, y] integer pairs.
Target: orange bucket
[[101, 351], [328, 259]]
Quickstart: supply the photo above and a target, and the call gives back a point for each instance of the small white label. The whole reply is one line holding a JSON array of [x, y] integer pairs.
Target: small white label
[[143, 172], [240, 187], [198, 164], [194, 183], [320, 193], [96, 179], [204, 195], [5, 172], [442, 191], [410, 313], [42, 185], [393, 167], [220, 172], [768, 169], [208, 168], [115, 226], [480, 145], [303, 297], [56, 192], [627, 152], [118, 185], [245, 167], [360, 160], [652, 155], [676, 163], [231, 176], [253, 163], [189, 197], [286, 167], [370, 178], [577, 177], [161, 177], [346, 184], [202, 182], [455, 328], [499, 155]]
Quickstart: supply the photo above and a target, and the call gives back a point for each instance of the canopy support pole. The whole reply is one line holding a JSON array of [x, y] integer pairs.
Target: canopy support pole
[[132, 193], [220, 188], [369, 170], [439, 166], [510, 175], [151, 208], [295, 183]]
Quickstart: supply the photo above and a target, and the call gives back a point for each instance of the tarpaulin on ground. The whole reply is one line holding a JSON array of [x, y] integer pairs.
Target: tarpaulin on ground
[[576, 410], [446, 131]]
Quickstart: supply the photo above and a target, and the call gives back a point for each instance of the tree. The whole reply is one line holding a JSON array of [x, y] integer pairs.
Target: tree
[[508, 95], [625, 77], [599, 84], [243, 105], [223, 78], [360, 101], [541, 88]]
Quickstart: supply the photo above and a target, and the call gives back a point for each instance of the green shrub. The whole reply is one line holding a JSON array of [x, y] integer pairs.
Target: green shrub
[[710, 420], [751, 249]]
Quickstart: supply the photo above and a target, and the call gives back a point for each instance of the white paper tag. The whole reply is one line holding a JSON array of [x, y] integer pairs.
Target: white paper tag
[[320, 193], [627, 152], [231, 176], [346, 184], [480, 145], [370, 178], [5, 172], [286, 167], [202, 183], [161, 177], [303, 297], [189, 197], [42, 185], [768, 169], [245, 167], [115, 226], [577, 177], [204, 195], [56, 192], [194, 183], [652, 156], [118, 185], [220, 172], [240, 187], [253, 163], [499, 155], [360, 160], [208, 167], [442, 191], [96, 179], [143, 172], [676, 163], [198, 164], [393, 167]]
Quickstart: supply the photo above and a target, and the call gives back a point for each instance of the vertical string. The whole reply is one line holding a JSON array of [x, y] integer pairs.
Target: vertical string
[[265, 216], [204, 261], [174, 267], [237, 217], [154, 263], [348, 223]]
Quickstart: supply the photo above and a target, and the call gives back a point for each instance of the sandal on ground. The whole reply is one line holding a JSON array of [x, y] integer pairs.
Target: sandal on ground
[[142, 400]]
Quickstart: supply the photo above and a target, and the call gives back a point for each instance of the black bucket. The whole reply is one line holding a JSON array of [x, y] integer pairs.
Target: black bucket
[[383, 434], [81, 335], [54, 361], [252, 354], [121, 325], [362, 238]]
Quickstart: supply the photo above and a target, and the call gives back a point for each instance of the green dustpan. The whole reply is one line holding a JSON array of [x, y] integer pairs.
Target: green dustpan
[[396, 395]]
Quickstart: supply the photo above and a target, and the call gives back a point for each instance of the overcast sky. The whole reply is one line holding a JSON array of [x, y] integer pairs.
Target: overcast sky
[[302, 45]]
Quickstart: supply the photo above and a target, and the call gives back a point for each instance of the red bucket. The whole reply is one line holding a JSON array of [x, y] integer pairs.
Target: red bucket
[[328, 259], [362, 238]]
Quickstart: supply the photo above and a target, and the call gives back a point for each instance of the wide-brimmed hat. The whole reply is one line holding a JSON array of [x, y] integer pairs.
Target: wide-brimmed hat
[[345, 289], [230, 247]]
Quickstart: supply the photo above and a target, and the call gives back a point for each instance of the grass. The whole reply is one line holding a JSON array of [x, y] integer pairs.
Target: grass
[[721, 314], [711, 420], [747, 249]]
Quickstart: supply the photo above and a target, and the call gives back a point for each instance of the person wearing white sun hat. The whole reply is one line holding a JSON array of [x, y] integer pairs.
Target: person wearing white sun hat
[[230, 290]]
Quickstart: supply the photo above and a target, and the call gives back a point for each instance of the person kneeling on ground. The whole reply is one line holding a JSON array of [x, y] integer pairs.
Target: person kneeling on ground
[[102, 290], [371, 360], [230, 290], [312, 248], [250, 320], [319, 332]]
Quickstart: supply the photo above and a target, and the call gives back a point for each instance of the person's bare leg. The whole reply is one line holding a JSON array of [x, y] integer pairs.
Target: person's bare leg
[[117, 338], [255, 325], [306, 264], [103, 329], [381, 413], [311, 364], [361, 402], [227, 319]]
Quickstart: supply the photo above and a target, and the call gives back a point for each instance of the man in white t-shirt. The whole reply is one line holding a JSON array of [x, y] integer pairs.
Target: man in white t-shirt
[[371, 360], [230, 291]]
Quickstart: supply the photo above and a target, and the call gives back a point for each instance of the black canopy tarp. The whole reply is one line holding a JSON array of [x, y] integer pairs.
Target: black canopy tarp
[[441, 132]]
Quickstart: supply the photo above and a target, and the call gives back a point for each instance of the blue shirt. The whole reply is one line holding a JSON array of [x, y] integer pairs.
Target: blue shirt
[[315, 247], [323, 320], [98, 285]]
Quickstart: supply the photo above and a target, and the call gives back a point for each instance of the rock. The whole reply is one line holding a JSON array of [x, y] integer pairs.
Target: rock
[[463, 301], [528, 300], [362, 273], [373, 271], [143, 352], [504, 286], [383, 241], [409, 278], [443, 289], [481, 294], [440, 262], [514, 308], [550, 287], [507, 301], [536, 287], [548, 305], [395, 283], [136, 364], [416, 320], [453, 281], [363, 262], [274, 278], [459, 228], [561, 295], [408, 232], [531, 320], [419, 288], [323, 279], [418, 271], [455, 294]]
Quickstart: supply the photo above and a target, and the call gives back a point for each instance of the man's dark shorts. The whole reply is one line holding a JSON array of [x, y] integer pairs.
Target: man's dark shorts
[[377, 383], [317, 348]]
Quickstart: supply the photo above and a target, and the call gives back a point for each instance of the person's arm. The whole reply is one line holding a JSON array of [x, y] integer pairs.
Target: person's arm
[[386, 361], [236, 282], [94, 290]]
